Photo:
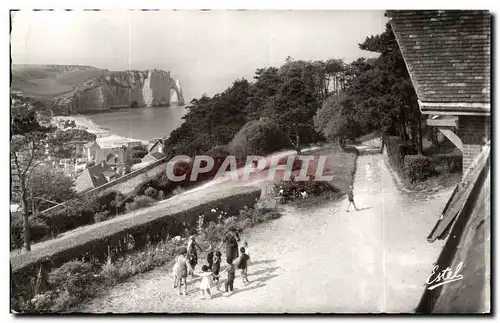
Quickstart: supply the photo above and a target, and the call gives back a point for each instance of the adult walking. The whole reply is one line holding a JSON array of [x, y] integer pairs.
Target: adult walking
[[192, 254], [182, 270], [231, 239]]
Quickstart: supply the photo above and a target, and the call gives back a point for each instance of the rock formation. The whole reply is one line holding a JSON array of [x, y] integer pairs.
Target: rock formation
[[76, 89], [119, 90]]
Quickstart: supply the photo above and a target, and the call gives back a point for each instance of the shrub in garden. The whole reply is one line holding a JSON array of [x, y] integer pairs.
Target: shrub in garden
[[76, 212], [417, 167], [110, 201], [161, 196], [150, 183], [449, 162], [38, 226], [139, 203], [292, 190], [151, 192], [102, 216], [397, 149]]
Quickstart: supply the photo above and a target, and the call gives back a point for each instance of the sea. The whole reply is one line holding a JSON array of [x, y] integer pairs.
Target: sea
[[143, 123]]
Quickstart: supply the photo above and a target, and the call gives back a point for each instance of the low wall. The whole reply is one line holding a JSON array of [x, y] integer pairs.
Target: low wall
[[128, 182], [149, 225], [124, 184]]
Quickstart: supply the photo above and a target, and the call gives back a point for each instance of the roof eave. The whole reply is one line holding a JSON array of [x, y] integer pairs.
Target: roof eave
[[455, 108]]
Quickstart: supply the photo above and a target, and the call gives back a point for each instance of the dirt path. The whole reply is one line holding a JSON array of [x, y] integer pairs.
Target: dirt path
[[321, 260]]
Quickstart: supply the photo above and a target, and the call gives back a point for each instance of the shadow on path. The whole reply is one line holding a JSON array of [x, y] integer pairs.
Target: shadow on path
[[262, 271], [261, 262], [254, 284]]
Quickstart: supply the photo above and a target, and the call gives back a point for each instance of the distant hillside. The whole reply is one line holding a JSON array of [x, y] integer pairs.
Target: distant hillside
[[45, 82], [78, 89]]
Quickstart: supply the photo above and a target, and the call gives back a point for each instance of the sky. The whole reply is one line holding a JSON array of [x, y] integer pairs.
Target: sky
[[204, 50]]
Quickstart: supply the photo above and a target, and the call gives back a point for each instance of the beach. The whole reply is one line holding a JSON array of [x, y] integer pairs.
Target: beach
[[102, 134]]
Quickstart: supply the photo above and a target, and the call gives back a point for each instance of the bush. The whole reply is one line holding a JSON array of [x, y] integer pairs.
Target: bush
[[139, 203], [417, 167], [76, 212], [102, 216], [397, 149], [261, 136], [219, 151], [450, 162], [109, 201], [38, 229], [151, 192], [161, 196], [291, 190], [72, 276]]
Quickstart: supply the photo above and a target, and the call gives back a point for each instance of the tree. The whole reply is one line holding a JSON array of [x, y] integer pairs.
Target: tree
[[135, 154], [26, 153], [258, 137], [49, 187], [293, 110], [333, 119], [386, 90]]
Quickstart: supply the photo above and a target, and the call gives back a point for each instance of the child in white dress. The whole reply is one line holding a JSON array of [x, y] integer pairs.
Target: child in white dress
[[206, 281]]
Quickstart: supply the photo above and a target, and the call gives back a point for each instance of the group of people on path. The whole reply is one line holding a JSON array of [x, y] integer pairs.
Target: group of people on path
[[236, 258]]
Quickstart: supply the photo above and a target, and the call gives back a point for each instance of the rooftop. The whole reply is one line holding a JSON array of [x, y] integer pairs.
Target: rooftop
[[447, 53]]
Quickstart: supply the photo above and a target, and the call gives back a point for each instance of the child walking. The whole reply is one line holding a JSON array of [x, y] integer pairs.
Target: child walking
[[243, 265], [247, 252], [210, 256], [175, 272], [350, 195], [231, 275], [216, 268]]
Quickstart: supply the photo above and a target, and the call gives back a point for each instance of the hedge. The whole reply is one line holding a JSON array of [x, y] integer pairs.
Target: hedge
[[397, 149], [114, 236], [417, 167]]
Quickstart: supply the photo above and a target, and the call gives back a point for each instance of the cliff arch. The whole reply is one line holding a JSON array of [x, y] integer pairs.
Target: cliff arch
[[178, 90]]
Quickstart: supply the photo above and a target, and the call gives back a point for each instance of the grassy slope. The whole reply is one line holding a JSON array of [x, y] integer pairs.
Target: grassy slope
[[44, 82]]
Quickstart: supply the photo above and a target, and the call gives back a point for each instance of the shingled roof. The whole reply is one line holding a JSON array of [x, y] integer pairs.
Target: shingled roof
[[447, 54]]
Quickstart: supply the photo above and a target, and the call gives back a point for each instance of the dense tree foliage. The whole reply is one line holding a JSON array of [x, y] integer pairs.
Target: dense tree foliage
[[378, 94], [288, 97], [50, 187], [258, 137]]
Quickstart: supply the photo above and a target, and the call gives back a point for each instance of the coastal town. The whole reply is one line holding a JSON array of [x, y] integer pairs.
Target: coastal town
[[311, 184], [89, 155]]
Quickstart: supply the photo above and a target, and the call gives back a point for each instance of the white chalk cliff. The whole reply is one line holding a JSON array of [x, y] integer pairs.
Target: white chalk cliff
[[120, 89]]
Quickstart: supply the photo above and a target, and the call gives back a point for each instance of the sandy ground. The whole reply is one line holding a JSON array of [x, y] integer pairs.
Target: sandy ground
[[319, 260], [103, 135]]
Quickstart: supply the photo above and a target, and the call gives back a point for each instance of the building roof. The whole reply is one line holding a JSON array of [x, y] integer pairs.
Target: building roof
[[152, 157], [157, 155], [90, 144], [93, 177], [447, 54], [109, 173], [154, 144]]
